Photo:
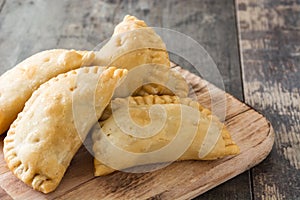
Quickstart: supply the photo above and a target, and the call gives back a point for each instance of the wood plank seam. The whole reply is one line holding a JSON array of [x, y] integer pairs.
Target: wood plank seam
[[239, 47], [235, 115], [238, 31], [4, 195], [251, 190], [74, 188], [2, 5]]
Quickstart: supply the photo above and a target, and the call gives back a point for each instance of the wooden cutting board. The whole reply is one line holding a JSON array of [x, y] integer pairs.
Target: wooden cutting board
[[180, 180]]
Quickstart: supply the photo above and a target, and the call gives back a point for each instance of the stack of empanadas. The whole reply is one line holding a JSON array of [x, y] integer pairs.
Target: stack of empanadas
[[52, 100]]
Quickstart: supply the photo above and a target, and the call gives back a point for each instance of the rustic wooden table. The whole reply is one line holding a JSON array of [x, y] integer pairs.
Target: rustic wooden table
[[256, 45]]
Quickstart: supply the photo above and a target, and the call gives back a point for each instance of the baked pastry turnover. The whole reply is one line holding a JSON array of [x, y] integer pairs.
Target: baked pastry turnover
[[135, 45], [157, 129], [42, 141], [18, 84]]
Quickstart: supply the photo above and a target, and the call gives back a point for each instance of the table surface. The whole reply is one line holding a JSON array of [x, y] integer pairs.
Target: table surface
[[255, 44]]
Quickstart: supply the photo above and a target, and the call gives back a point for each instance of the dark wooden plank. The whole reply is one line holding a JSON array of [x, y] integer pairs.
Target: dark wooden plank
[[72, 24], [30, 26], [76, 25], [227, 191], [270, 48], [212, 24]]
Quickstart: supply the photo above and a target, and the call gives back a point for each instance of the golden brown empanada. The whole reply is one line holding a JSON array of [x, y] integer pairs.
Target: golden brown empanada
[[17, 84], [182, 130], [134, 44], [42, 141]]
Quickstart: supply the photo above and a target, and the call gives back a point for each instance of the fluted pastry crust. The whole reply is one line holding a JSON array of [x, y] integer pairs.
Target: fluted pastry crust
[[18, 84], [42, 141], [139, 109]]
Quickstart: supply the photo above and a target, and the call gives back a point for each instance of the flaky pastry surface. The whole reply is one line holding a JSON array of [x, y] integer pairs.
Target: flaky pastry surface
[[134, 44], [42, 141], [139, 108], [18, 84]]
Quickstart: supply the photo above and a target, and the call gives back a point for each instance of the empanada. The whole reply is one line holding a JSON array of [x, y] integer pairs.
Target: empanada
[[43, 139], [134, 44], [156, 129], [18, 84]]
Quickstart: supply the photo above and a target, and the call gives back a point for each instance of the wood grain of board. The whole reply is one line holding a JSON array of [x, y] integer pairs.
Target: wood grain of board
[[180, 180], [270, 50]]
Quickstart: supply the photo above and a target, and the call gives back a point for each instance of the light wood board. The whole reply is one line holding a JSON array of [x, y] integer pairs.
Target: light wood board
[[180, 180]]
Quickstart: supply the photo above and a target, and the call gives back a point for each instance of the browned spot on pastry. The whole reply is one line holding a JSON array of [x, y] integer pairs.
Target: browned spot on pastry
[[46, 60], [30, 72], [74, 72], [118, 42], [36, 140], [73, 88]]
